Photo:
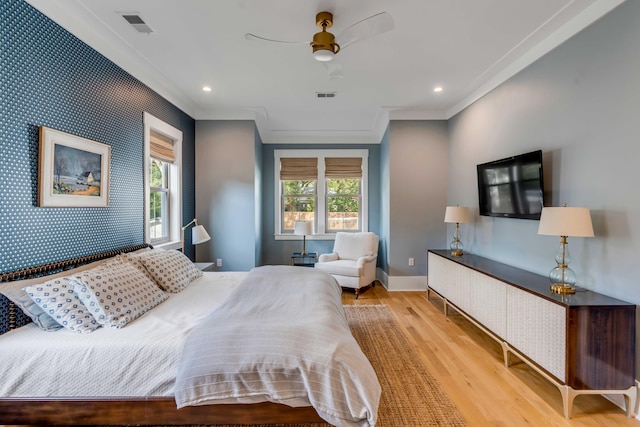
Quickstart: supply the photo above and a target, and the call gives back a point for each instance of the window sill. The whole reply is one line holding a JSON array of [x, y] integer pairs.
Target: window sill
[[298, 237], [168, 245]]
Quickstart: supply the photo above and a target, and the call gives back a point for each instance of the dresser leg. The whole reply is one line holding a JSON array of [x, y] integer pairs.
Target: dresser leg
[[631, 400], [506, 354], [568, 394]]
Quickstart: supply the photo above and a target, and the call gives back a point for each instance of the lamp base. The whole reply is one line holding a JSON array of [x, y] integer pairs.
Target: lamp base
[[456, 252], [565, 289]]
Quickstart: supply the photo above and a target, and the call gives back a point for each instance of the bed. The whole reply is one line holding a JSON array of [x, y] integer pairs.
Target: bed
[[208, 354]]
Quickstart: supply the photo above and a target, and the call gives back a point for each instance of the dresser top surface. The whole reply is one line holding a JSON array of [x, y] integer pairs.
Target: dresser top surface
[[529, 281]]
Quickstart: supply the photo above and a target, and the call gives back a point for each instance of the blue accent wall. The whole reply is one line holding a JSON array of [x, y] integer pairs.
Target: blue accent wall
[[50, 78], [279, 251]]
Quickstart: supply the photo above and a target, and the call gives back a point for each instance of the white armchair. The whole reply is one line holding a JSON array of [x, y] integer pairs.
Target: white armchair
[[353, 261]]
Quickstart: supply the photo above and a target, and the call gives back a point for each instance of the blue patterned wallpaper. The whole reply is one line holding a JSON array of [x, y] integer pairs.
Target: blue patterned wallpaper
[[49, 77]]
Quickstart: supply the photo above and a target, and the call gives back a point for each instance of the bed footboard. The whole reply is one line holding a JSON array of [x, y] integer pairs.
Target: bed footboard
[[146, 411]]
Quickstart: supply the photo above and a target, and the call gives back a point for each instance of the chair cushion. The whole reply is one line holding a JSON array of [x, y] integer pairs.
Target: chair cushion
[[355, 245], [342, 267]]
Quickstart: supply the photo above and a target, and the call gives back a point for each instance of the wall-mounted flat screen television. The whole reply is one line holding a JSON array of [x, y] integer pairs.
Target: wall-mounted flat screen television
[[512, 187]]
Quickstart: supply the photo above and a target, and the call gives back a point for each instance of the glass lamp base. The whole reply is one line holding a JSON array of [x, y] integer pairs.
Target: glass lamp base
[[456, 252], [565, 289]]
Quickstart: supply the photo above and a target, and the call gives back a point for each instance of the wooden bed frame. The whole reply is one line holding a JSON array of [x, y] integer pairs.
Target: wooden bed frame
[[145, 410]]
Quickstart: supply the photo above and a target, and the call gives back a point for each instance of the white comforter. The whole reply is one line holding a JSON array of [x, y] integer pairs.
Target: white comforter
[[282, 336]]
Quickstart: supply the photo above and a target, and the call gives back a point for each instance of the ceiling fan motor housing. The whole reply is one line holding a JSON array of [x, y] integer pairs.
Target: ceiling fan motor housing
[[324, 41]]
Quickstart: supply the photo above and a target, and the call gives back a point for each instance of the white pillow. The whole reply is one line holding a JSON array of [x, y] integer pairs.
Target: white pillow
[[58, 299], [172, 270], [117, 294]]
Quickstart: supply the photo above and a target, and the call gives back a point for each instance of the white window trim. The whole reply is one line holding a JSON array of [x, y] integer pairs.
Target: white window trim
[[175, 180], [321, 211]]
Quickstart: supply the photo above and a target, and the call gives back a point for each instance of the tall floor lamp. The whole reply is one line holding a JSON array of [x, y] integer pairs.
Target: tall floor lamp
[[564, 222], [198, 233]]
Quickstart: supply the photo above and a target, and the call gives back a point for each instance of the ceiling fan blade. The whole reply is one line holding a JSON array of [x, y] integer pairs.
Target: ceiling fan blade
[[334, 68], [368, 27], [250, 36]]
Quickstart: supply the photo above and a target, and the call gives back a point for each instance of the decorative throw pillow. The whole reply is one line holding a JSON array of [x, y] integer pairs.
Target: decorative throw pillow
[[172, 270], [14, 291], [58, 299], [117, 294], [134, 261]]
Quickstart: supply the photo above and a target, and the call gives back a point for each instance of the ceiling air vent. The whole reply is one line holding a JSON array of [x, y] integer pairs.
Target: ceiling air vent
[[326, 94], [137, 23]]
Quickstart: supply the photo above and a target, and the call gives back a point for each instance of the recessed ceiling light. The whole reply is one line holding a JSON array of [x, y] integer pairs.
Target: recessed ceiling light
[[438, 89], [206, 88]]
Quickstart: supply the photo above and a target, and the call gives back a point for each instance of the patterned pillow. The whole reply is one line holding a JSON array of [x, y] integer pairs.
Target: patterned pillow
[[134, 261], [172, 270], [58, 299], [117, 294]]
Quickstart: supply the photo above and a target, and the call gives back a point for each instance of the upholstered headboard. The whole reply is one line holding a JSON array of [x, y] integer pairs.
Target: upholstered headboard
[[12, 317]]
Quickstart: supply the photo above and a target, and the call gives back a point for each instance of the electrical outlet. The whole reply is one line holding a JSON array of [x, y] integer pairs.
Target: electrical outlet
[[219, 262], [412, 262]]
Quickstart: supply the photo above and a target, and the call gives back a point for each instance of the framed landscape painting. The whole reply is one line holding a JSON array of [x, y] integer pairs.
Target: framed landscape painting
[[72, 171]]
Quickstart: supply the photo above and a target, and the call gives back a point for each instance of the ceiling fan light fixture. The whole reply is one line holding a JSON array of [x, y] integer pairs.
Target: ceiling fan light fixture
[[323, 55]]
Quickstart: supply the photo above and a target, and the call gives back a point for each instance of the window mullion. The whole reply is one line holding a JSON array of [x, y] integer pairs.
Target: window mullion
[[321, 198]]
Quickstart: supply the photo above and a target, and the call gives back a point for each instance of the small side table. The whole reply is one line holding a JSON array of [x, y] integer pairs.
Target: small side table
[[307, 260], [206, 266]]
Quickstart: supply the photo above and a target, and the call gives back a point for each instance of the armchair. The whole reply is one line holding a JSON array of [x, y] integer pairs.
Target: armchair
[[353, 260]]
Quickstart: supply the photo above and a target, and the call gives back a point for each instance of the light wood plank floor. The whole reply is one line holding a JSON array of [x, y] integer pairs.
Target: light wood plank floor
[[469, 366]]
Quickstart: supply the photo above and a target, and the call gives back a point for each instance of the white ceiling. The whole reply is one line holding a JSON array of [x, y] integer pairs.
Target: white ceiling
[[466, 46]]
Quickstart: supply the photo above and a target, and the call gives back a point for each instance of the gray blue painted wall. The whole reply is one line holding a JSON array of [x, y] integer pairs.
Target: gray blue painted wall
[[279, 251], [385, 208], [50, 78], [580, 104], [228, 192], [417, 162]]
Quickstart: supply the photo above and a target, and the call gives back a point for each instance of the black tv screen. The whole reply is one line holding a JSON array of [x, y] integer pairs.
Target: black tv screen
[[512, 187]]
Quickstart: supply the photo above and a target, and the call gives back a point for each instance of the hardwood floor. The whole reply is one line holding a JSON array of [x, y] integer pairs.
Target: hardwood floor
[[469, 366]]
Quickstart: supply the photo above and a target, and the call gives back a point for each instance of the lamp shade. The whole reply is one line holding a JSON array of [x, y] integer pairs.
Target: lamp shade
[[565, 221], [303, 228], [199, 235], [457, 214]]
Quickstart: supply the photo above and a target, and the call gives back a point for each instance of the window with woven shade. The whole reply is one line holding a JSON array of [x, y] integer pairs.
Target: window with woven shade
[[298, 179], [343, 193], [163, 144], [325, 187]]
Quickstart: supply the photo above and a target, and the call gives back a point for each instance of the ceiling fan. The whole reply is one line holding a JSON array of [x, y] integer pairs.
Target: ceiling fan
[[325, 46]]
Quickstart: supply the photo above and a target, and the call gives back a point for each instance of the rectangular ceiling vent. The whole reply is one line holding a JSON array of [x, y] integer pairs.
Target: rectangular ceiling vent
[[137, 23], [326, 94]]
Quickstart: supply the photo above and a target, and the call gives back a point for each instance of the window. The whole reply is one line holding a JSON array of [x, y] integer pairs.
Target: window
[[159, 200], [163, 199], [326, 187]]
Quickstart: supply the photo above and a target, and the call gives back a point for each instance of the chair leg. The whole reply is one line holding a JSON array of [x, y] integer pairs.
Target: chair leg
[[357, 293]]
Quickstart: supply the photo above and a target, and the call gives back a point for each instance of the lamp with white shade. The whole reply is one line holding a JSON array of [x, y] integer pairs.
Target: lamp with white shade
[[564, 222], [457, 215], [198, 233], [304, 229]]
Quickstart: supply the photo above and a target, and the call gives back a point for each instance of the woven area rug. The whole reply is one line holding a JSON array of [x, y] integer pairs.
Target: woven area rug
[[410, 394]]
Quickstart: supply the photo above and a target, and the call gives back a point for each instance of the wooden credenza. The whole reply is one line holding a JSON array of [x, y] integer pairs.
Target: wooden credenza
[[583, 343]]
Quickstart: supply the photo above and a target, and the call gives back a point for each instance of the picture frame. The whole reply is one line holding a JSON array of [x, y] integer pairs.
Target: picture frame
[[72, 171]]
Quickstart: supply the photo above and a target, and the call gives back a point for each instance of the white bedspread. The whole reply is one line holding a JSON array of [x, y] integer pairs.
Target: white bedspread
[[137, 360], [283, 337]]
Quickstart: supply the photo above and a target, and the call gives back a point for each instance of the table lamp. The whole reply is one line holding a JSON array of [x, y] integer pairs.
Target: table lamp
[[457, 214], [304, 229], [198, 233], [564, 222]]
